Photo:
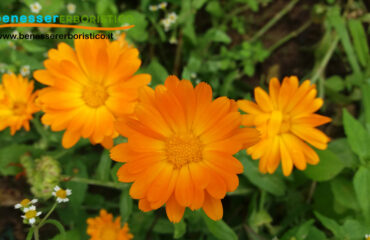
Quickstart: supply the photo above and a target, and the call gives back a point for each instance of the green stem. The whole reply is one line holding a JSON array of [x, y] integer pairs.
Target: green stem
[[39, 128], [274, 20], [47, 215], [325, 60], [95, 182], [36, 233], [290, 36]]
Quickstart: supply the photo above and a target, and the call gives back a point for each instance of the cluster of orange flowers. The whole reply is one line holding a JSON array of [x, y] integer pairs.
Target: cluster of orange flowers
[[181, 141]]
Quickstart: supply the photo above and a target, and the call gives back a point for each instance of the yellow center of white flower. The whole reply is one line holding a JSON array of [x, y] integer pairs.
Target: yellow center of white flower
[[61, 193], [25, 202], [184, 149], [94, 95], [31, 214]]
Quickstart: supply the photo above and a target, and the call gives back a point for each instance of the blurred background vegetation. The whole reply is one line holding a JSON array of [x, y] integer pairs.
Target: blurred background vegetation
[[233, 45]]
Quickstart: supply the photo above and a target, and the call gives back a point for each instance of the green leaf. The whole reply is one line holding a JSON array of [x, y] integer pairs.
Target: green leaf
[[228, 81], [30, 46], [180, 229], [125, 205], [361, 183], [315, 234], [114, 170], [359, 40], [366, 101], [9, 155], [163, 226], [105, 7], [343, 151], [344, 193], [355, 229], [158, 72], [58, 225], [103, 169], [138, 33], [356, 134], [69, 235], [335, 83], [328, 167], [299, 232], [339, 24], [217, 35], [219, 229], [215, 9], [78, 169], [330, 224], [271, 183]]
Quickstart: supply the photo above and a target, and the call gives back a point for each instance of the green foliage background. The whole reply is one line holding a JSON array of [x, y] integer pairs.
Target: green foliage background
[[231, 45]]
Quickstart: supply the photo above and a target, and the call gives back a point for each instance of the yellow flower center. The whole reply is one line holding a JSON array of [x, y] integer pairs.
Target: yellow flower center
[[285, 125], [19, 108], [94, 95], [61, 193], [184, 149], [25, 202], [31, 214], [108, 233]]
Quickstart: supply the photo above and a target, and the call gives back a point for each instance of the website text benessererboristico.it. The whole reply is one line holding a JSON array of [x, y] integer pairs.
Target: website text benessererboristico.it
[[41, 36]]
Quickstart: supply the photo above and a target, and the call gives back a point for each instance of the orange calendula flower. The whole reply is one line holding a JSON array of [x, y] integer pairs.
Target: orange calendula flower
[[104, 228], [17, 102], [89, 88], [286, 121], [180, 147]]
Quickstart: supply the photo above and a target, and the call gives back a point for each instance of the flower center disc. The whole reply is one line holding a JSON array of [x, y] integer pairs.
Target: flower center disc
[[25, 202], [19, 108], [108, 233], [61, 193], [94, 95], [184, 149], [31, 214]]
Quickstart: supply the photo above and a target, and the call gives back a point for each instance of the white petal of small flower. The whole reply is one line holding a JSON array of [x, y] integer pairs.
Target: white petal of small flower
[[71, 8], [33, 201], [65, 200], [18, 205], [162, 5], [32, 208], [59, 200], [69, 192], [153, 8], [56, 188], [38, 214], [26, 209], [172, 17], [53, 193], [32, 220], [35, 7]]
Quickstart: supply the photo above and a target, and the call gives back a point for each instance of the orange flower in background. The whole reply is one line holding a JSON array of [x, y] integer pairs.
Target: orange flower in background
[[17, 102], [180, 147], [286, 121], [104, 228], [89, 88]]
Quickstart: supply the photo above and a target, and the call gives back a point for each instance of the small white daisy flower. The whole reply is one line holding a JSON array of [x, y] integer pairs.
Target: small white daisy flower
[[25, 203], [30, 214], [162, 5], [25, 70], [15, 33], [153, 8], [116, 34], [61, 194], [166, 24], [11, 44], [367, 237], [172, 17], [193, 75], [35, 7], [71, 8]]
